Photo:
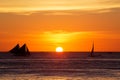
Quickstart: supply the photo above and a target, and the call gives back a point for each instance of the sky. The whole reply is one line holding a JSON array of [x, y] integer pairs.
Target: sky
[[72, 24]]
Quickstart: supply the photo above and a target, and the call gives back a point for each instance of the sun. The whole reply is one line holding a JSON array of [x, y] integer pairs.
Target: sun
[[59, 49]]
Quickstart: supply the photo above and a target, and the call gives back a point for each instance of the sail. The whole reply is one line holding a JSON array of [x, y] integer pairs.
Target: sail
[[15, 49], [92, 51], [23, 51]]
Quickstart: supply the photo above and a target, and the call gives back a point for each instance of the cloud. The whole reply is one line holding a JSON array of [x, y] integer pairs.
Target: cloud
[[70, 20], [42, 5], [65, 12]]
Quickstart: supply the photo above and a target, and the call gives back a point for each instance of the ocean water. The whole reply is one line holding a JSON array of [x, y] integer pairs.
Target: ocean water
[[60, 66]]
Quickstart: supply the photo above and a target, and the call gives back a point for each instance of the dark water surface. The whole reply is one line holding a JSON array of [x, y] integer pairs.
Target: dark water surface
[[62, 64]]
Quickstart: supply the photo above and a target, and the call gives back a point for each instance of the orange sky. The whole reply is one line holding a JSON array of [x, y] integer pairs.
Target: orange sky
[[74, 24]]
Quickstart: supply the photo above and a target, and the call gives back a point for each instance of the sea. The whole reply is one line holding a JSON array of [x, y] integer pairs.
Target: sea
[[60, 66]]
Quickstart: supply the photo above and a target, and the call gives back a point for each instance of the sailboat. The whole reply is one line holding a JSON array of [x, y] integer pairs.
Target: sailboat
[[20, 51], [92, 51], [15, 49]]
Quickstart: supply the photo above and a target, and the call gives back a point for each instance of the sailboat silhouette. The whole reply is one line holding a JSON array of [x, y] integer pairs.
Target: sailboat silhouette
[[92, 51], [20, 51]]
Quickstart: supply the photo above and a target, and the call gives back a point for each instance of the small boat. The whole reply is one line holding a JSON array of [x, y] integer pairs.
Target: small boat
[[20, 51], [92, 51]]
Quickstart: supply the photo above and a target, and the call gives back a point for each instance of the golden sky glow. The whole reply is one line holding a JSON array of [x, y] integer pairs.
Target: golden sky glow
[[71, 24], [36, 5]]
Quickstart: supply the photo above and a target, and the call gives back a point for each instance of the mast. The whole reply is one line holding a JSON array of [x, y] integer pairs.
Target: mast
[[92, 51]]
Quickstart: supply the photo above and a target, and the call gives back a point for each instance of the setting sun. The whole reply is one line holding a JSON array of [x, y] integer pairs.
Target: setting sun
[[59, 49]]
